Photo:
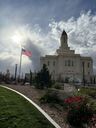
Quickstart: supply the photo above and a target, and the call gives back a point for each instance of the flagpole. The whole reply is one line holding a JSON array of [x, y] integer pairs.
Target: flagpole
[[20, 64]]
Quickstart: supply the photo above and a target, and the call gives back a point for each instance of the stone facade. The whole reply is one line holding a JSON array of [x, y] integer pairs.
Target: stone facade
[[68, 65]]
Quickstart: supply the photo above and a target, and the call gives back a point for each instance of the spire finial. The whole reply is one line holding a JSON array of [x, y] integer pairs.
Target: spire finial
[[64, 33]]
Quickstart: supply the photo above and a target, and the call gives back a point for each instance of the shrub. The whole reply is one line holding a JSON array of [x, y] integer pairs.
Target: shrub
[[50, 97], [80, 111], [57, 86]]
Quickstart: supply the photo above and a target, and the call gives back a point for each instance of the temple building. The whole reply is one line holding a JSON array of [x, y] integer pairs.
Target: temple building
[[68, 65]]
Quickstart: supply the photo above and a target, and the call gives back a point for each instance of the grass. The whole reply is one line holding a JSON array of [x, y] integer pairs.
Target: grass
[[16, 112], [90, 93]]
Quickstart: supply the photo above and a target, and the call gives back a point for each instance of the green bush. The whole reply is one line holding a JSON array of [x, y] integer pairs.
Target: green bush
[[57, 86], [50, 97]]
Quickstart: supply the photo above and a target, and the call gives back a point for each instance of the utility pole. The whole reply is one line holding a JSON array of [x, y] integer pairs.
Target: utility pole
[[83, 73]]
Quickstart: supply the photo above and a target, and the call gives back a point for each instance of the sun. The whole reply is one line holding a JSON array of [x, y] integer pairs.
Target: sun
[[17, 38]]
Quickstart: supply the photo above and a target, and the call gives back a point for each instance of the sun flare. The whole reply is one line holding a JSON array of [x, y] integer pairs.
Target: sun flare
[[17, 38]]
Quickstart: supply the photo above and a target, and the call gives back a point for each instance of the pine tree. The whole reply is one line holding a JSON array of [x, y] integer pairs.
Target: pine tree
[[43, 78]]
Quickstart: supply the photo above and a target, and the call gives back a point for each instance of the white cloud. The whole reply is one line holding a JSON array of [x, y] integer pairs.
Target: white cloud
[[81, 33]]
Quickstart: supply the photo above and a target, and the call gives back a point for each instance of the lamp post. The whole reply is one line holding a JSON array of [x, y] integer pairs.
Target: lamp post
[[20, 65], [15, 72]]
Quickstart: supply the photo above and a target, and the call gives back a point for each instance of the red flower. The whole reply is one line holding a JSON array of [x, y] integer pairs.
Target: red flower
[[73, 99]]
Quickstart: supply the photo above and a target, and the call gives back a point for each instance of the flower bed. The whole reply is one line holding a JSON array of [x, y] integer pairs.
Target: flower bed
[[80, 111]]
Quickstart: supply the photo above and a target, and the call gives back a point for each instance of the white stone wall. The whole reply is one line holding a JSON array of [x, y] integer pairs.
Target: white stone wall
[[59, 66], [69, 66]]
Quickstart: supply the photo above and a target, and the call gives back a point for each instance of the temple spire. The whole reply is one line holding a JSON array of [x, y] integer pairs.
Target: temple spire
[[63, 40], [64, 49]]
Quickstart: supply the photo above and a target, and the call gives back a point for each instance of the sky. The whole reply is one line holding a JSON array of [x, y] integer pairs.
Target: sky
[[36, 25]]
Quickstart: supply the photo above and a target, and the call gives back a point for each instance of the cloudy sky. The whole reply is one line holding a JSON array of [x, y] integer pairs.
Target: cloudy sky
[[37, 25]]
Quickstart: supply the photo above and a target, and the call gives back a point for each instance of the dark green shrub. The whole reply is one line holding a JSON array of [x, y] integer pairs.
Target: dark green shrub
[[57, 86], [50, 97]]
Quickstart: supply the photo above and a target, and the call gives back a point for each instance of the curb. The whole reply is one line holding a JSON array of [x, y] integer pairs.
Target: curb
[[41, 110]]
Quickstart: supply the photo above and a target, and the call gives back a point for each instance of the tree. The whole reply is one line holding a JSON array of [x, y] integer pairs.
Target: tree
[[43, 78], [7, 76]]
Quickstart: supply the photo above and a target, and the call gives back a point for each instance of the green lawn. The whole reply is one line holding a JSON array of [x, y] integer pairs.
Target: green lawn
[[90, 93], [16, 112]]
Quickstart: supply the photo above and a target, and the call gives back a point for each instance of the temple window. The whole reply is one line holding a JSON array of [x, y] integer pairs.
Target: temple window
[[48, 63], [68, 62], [88, 64], [53, 63], [72, 63], [65, 63]]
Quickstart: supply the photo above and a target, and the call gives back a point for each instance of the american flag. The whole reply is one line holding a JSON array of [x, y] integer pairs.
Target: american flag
[[26, 52]]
